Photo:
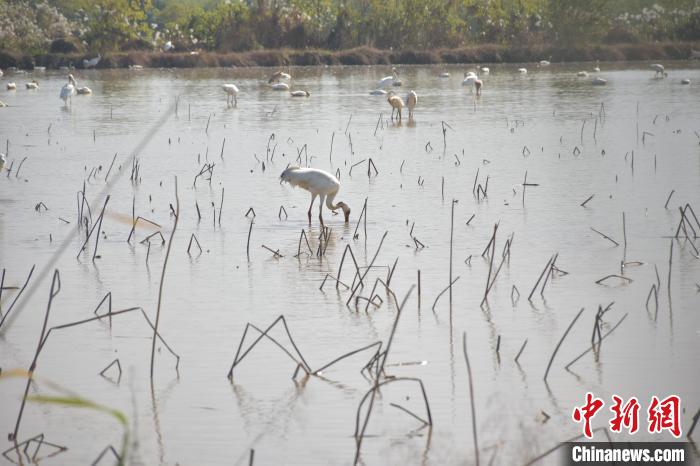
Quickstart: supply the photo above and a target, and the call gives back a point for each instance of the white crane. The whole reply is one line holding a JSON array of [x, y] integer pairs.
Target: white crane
[[231, 91], [320, 184]]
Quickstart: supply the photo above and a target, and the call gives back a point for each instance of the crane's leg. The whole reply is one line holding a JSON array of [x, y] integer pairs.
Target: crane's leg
[[313, 198], [399, 109], [235, 100], [321, 199]]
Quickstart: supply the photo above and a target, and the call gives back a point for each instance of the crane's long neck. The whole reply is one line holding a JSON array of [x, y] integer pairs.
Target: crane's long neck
[[339, 205]]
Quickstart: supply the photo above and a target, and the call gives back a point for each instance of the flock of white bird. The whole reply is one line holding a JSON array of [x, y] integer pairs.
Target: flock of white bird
[[279, 81], [320, 183]]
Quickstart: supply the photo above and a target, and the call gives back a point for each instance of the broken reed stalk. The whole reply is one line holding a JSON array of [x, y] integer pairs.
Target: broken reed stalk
[[363, 215], [669, 198], [110, 166], [522, 348], [330, 154], [443, 292], [342, 260], [605, 236], [247, 246], [546, 269], [471, 397], [162, 279], [237, 360], [692, 426], [221, 206], [551, 359], [17, 296], [99, 227], [196, 241], [89, 233], [359, 434], [583, 204], [55, 289], [418, 289], [600, 339], [347, 303], [452, 225]]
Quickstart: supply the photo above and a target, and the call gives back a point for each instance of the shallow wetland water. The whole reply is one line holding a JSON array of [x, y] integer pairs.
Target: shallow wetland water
[[639, 142]]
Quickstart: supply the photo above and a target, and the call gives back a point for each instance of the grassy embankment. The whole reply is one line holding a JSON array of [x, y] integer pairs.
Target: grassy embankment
[[364, 56]]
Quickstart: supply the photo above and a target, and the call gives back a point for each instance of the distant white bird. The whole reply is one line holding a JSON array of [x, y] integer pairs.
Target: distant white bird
[[544, 63], [32, 85], [477, 86], [135, 67], [485, 69], [1, 73], [231, 91], [280, 87], [396, 103], [279, 75], [318, 183], [522, 70], [597, 67], [582, 74], [39, 68], [378, 92], [598, 81], [68, 90], [300, 93], [444, 74], [168, 46], [411, 101], [389, 80], [83, 90], [685, 81], [91, 63], [469, 78], [2, 161], [2, 104], [11, 86], [658, 70]]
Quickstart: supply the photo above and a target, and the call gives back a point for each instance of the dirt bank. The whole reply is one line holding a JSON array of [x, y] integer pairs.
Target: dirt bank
[[486, 53]]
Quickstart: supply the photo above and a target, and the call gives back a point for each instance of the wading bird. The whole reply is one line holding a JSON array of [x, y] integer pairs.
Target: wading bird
[[522, 70], [33, 85], [597, 67], [2, 161], [68, 90], [444, 74], [598, 81], [300, 93], [91, 63], [11, 86], [485, 69], [378, 92], [658, 70], [386, 80], [276, 77], [469, 78], [685, 81], [411, 101], [280, 87], [231, 91], [318, 183], [83, 90], [477, 86], [2, 104], [396, 103], [582, 74]]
